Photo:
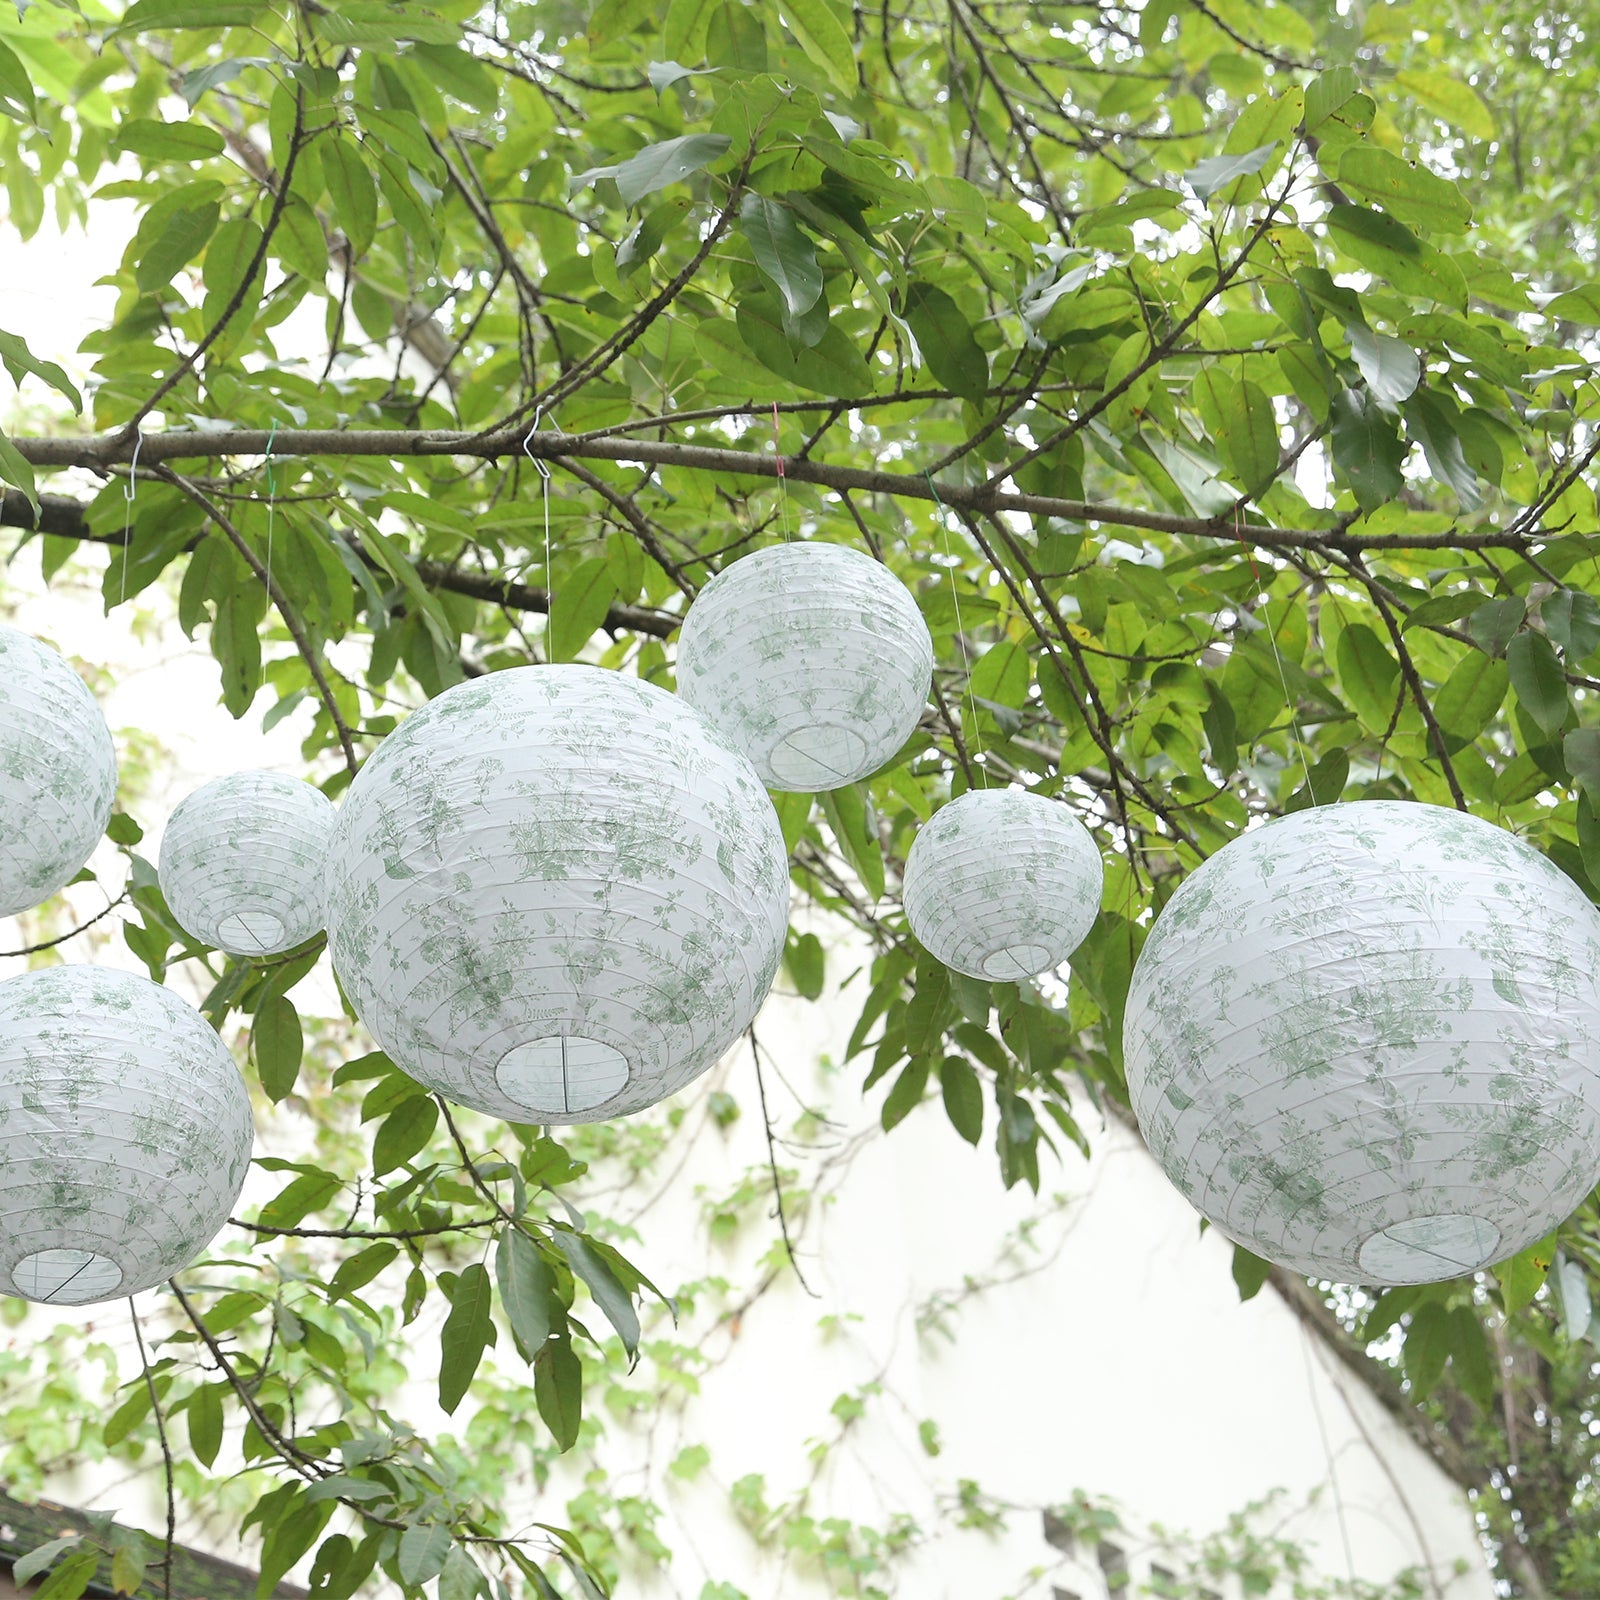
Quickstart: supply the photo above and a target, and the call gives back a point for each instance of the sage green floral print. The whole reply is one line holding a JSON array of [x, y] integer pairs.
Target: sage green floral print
[[125, 1134], [555, 895], [809, 658], [1364, 1040], [58, 772]]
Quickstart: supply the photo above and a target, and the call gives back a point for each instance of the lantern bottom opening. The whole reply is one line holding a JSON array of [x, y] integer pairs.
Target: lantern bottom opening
[[1426, 1249], [822, 755], [1016, 961], [561, 1073], [248, 932], [66, 1277]]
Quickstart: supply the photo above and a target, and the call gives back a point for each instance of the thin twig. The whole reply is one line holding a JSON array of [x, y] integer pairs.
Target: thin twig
[[772, 1165], [166, 1455]]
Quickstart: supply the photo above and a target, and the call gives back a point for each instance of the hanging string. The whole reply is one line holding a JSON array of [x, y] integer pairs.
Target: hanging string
[[1272, 639], [543, 469], [783, 477], [272, 500], [955, 597], [129, 490]]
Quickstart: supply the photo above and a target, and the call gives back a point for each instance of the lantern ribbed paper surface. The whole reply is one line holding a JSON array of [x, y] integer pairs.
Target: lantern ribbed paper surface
[[243, 861], [1002, 884], [58, 772], [1364, 1040], [555, 895], [812, 659], [125, 1134]]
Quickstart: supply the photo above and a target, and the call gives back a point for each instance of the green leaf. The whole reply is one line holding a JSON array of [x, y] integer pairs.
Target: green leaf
[[1580, 750], [683, 35], [1249, 1272], [834, 366], [1405, 189], [127, 1416], [1387, 247], [782, 251], [824, 38], [311, 1191], [1369, 676], [169, 141], [15, 470], [945, 338], [1327, 92], [190, 14], [1572, 619], [527, 1290], [1368, 448], [278, 1042], [906, 1091], [1538, 678], [16, 90], [1390, 366], [609, 1294], [70, 1578], [467, 1333], [299, 242], [42, 1556], [357, 1271], [558, 1389], [579, 606], [963, 1097], [177, 244], [1450, 100], [658, 165], [850, 816], [1431, 420], [1493, 624], [1470, 698], [1214, 173], [1249, 435], [804, 958], [19, 359], [1522, 1276], [423, 1549], [205, 1421], [403, 1133]]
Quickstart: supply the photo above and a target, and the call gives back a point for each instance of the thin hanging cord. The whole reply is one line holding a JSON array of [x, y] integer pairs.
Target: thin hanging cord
[[272, 501], [1272, 639], [129, 490], [961, 637], [783, 477], [542, 468]]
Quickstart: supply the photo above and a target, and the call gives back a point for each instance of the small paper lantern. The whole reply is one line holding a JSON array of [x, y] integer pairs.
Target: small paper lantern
[[811, 659], [555, 895], [1002, 884], [58, 772], [125, 1134], [243, 862], [1364, 1040]]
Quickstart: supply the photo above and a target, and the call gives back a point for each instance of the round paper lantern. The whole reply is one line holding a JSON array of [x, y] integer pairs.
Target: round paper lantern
[[125, 1134], [243, 861], [1364, 1040], [58, 772], [1002, 884], [555, 895], [811, 659]]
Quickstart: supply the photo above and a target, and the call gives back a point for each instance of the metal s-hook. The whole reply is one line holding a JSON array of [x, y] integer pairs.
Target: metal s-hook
[[129, 490]]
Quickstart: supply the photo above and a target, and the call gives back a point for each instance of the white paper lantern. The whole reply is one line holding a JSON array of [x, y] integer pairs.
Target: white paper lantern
[[1364, 1040], [243, 862], [58, 772], [555, 895], [125, 1134], [1002, 884], [811, 659]]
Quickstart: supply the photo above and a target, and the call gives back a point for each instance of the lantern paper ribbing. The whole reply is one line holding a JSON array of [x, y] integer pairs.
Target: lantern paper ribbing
[[1364, 1040], [125, 1134], [555, 895], [58, 772], [242, 862], [811, 659], [1002, 884]]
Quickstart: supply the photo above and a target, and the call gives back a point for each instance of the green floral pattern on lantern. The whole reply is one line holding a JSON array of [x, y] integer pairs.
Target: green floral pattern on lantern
[[555, 895], [1364, 1040], [58, 772], [1003, 884], [243, 862], [125, 1134], [812, 659]]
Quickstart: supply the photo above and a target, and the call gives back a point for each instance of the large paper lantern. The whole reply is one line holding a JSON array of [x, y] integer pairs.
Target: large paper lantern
[[58, 772], [243, 860], [1002, 884], [555, 895], [125, 1134], [1364, 1040], [811, 659]]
